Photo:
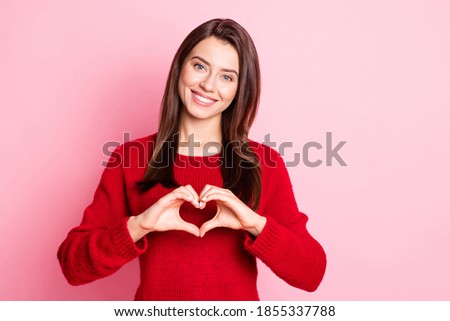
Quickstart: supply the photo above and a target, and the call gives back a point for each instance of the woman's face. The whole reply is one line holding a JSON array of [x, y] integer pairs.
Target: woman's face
[[209, 78]]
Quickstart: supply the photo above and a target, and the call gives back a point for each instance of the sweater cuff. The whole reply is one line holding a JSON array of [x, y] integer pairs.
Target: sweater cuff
[[262, 245], [123, 242]]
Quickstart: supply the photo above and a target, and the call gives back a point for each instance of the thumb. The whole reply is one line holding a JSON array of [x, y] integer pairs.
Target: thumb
[[209, 225], [182, 225], [188, 227]]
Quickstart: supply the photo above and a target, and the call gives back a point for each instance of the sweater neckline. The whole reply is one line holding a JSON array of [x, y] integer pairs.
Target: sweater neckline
[[183, 156], [200, 162]]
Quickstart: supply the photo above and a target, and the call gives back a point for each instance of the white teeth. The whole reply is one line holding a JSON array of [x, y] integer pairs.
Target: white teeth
[[203, 99]]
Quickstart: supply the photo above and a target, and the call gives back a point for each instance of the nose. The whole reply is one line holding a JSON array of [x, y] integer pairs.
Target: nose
[[208, 83]]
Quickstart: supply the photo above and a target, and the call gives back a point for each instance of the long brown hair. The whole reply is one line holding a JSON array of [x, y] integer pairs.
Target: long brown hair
[[240, 168]]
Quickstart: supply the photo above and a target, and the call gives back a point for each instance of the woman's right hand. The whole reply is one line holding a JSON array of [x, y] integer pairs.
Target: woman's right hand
[[164, 215]]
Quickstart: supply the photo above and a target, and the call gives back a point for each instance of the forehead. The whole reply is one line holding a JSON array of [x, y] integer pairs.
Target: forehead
[[216, 52]]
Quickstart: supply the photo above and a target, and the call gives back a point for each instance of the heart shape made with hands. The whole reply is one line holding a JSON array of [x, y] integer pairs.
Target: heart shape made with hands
[[231, 212], [193, 213]]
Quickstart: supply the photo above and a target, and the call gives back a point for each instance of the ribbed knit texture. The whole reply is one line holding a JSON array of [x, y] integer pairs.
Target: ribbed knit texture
[[176, 265]]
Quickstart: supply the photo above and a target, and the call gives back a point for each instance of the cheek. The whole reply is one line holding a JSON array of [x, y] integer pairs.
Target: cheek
[[183, 83], [182, 79], [188, 77], [229, 92]]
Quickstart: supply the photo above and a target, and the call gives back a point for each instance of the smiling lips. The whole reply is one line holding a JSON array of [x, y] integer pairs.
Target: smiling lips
[[202, 100]]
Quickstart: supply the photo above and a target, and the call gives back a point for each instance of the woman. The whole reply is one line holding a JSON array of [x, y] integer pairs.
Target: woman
[[208, 201]]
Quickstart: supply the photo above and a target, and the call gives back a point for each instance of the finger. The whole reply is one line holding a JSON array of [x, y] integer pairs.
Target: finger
[[183, 194], [218, 194], [191, 190], [188, 227], [215, 189], [205, 190], [174, 196], [208, 190], [196, 200], [227, 199], [188, 190], [209, 225]]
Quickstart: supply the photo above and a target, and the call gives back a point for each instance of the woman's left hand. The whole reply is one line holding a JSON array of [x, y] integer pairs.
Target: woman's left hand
[[231, 212]]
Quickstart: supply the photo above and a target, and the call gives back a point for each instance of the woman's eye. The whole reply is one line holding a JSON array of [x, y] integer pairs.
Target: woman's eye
[[199, 67], [227, 78]]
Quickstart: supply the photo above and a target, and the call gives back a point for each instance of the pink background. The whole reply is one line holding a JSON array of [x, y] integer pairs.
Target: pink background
[[76, 74]]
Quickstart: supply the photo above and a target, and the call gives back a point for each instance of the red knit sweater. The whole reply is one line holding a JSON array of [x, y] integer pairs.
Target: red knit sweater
[[176, 265]]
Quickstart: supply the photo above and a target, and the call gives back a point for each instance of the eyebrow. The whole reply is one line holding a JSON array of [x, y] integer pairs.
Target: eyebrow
[[209, 65]]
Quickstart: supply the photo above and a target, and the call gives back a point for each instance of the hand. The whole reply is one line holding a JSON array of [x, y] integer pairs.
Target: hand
[[164, 215], [231, 212]]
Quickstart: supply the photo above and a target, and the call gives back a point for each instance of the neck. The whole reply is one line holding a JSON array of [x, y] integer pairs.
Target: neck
[[199, 137]]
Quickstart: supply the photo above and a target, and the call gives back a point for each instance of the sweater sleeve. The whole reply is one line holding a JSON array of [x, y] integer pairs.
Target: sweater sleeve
[[285, 245], [101, 244]]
